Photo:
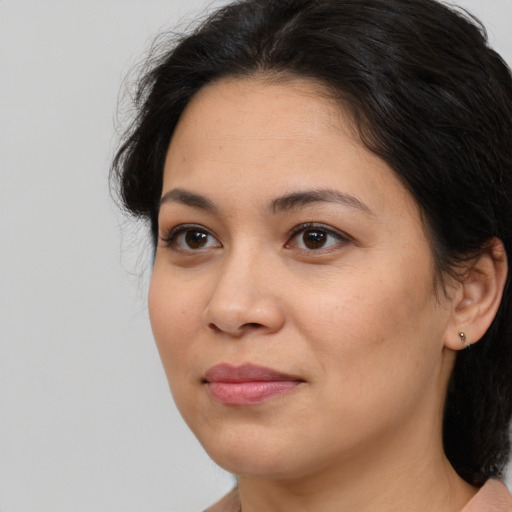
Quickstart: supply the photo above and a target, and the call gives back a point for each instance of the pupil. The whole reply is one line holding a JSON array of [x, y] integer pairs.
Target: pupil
[[314, 239], [195, 239]]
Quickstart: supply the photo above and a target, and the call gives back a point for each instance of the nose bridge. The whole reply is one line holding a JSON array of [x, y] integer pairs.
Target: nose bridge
[[243, 297]]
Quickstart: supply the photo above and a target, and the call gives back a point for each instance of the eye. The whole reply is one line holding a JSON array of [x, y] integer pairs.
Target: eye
[[190, 238], [311, 237]]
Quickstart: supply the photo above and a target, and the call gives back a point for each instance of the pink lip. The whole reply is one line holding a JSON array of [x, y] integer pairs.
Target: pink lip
[[247, 384]]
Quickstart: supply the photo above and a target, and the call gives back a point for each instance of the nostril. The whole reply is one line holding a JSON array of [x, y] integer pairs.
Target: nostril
[[213, 327], [252, 325]]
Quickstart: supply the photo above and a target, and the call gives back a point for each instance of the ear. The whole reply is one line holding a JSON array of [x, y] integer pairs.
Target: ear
[[478, 297]]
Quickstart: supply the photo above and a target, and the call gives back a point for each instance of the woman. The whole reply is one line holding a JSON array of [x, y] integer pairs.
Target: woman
[[329, 189]]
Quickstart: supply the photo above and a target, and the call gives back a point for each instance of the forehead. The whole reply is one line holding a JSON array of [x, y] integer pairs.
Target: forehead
[[300, 101], [285, 134]]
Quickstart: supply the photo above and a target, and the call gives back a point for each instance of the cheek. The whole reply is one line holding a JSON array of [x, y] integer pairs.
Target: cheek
[[375, 329], [175, 318]]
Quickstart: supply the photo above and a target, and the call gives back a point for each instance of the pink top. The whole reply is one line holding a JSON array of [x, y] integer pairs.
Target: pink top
[[492, 497]]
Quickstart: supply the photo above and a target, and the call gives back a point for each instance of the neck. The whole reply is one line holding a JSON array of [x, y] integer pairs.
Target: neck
[[383, 478]]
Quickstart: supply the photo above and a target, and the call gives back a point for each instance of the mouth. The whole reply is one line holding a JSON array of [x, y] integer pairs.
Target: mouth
[[247, 384]]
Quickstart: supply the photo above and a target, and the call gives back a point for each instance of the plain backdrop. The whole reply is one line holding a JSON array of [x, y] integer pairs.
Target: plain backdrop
[[86, 419]]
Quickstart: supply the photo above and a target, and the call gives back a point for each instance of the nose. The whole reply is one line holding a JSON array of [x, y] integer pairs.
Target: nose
[[244, 298]]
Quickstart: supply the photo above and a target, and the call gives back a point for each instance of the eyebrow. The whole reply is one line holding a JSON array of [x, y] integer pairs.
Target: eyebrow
[[299, 199], [281, 204], [185, 197]]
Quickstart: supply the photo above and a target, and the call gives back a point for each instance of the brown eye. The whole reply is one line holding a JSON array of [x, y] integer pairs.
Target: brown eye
[[311, 237], [190, 238], [314, 238], [196, 239]]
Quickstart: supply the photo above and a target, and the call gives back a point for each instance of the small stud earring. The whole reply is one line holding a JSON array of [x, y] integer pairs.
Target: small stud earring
[[462, 337]]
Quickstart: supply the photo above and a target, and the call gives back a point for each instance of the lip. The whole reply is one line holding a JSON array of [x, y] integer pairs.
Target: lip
[[247, 384]]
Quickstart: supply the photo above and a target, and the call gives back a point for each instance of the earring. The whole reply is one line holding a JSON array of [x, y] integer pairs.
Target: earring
[[462, 337]]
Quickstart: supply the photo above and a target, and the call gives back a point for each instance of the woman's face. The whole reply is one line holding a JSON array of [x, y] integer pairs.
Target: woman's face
[[293, 299]]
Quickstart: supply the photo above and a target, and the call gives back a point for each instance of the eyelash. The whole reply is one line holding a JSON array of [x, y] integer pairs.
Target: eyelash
[[170, 239], [312, 226]]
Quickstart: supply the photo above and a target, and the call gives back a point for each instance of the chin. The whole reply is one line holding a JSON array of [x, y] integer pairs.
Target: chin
[[255, 466], [252, 453]]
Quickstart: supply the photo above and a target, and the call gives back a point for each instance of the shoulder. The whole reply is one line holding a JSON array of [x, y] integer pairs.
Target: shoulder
[[229, 503], [492, 497]]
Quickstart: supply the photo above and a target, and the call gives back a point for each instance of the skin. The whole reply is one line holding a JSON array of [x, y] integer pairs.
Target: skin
[[358, 319]]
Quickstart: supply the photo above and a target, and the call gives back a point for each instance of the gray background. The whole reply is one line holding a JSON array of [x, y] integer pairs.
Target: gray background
[[86, 419]]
